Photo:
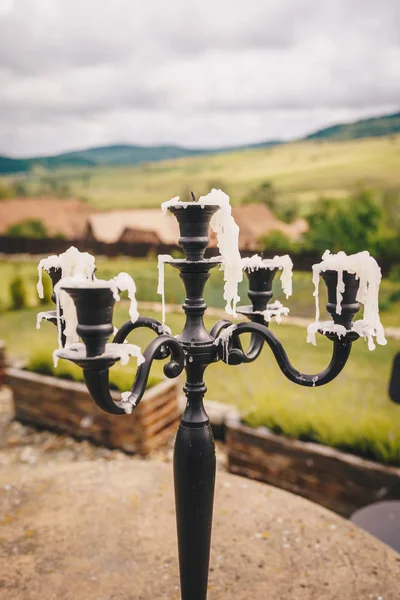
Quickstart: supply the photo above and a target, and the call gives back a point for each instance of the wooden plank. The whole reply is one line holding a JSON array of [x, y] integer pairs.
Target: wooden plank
[[63, 406], [158, 440], [336, 480]]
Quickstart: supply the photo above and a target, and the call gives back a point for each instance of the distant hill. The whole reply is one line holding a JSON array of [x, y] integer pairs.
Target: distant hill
[[376, 126], [13, 165], [115, 155], [127, 154]]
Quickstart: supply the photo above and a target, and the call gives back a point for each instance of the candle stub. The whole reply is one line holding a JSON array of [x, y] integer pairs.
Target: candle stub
[[368, 272]]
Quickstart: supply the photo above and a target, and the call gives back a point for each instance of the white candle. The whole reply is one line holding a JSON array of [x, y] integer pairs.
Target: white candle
[[367, 270]]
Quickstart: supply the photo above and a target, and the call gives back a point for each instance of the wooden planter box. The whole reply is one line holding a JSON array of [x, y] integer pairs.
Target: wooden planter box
[[339, 481], [67, 406]]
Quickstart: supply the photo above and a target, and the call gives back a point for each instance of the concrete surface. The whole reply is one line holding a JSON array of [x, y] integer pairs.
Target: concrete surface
[[105, 530]]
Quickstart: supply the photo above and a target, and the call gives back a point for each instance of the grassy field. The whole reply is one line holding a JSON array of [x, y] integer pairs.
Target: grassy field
[[144, 271], [353, 412], [301, 172]]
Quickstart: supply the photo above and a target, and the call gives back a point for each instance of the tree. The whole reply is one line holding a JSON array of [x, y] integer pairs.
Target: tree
[[18, 293], [350, 225], [276, 241]]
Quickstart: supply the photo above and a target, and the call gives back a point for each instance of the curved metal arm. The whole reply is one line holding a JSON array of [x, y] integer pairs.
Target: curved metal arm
[[128, 327], [255, 347], [156, 326], [340, 354], [98, 383]]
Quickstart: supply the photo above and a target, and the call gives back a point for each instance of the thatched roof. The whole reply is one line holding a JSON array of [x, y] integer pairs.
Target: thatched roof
[[60, 217], [257, 220], [110, 226]]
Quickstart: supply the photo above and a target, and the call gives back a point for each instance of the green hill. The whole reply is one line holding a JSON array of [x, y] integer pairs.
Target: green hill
[[115, 155], [300, 172], [13, 165], [376, 126], [128, 155]]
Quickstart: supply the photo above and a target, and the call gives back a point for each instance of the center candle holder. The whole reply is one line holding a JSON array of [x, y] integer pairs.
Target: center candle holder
[[193, 350]]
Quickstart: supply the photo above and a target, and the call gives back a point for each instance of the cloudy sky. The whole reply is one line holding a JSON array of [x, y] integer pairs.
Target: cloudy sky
[[78, 73]]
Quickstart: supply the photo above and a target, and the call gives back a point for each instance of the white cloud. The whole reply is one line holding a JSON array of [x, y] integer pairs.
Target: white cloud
[[81, 73]]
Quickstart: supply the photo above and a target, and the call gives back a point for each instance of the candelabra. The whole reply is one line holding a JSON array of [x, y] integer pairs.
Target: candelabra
[[193, 350]]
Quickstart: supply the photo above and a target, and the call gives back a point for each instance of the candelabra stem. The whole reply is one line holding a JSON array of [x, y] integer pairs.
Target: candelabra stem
[[194, 474]]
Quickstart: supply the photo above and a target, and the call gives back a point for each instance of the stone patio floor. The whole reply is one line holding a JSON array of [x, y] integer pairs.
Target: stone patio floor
[[78, 522]]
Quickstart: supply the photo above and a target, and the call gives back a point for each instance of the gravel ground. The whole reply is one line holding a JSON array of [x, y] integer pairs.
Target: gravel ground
[[23, 444]]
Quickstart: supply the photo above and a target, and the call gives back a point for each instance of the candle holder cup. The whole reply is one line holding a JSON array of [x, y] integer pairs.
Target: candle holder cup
[[260, 287], [194, 225], [349, 303], [94, 308]]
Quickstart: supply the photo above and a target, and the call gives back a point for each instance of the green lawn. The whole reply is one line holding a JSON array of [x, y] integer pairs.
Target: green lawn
[[300, 172], [144, 271], [353, 412]]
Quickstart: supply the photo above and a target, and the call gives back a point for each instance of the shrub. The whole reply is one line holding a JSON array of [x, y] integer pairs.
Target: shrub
[[41, 363], [278, 242], [30, 228], [394, 274], [18, 293]]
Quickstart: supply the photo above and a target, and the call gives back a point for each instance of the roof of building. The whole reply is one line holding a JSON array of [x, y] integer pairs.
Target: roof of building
[[254, 220], [257, 220], [67, 217], [110, 226]]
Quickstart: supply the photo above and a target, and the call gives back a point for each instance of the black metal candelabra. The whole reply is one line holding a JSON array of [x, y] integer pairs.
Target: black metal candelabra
[[193, 350]]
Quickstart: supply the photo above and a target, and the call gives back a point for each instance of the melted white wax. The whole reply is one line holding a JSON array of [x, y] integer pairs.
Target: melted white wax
[[122, 351], [284, 262], [223, 340], [74, 265], [277, 310], [128, 402], [77, 270], [367, 270], [46, 264], [325, 327], [227, 232], [39, 318], [124, 282]]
